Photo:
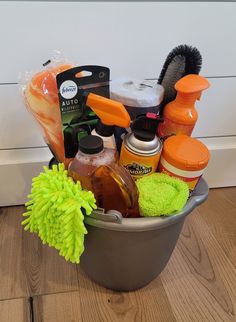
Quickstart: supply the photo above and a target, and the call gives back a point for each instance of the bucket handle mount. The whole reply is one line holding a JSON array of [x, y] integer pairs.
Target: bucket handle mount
[[110, 216]]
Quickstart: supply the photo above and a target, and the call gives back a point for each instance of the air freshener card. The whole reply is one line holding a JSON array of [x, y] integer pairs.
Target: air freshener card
[[79, 120]]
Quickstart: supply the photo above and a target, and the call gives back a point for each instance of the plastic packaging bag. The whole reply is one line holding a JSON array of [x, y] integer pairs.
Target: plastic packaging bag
[[41, 99]]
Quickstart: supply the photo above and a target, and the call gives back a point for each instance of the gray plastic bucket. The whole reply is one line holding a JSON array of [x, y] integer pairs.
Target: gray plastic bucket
[[125, 254]]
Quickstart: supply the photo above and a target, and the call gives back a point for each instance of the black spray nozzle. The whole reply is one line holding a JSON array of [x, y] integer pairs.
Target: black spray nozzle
[[145, 127], [104, 130]]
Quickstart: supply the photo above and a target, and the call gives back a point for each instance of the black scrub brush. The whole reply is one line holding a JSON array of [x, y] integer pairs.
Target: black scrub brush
[[181, 61]]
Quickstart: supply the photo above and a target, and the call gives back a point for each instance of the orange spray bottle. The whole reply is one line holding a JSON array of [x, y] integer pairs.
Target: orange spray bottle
[[180, 115]]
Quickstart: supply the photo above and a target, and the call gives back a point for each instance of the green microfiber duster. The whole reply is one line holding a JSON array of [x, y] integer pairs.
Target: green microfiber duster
[[160, 194], [55, 211]]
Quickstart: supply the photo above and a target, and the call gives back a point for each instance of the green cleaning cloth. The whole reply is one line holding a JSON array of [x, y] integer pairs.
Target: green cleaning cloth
[[56, 211], [160, 194]]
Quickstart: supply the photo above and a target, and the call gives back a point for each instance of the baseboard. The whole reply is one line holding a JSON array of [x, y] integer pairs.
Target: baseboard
[[221, 171], [19, 166]]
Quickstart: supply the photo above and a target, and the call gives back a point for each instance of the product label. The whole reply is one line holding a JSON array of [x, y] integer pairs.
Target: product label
[[78, 120], [191, 182], [138, 166], [136, 169], [68, 89]]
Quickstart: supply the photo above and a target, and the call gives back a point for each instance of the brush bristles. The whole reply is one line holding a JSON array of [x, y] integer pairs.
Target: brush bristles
[[192, 60], [181, 61]]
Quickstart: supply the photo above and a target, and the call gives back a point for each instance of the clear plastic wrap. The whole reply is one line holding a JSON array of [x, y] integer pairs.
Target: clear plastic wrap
[[41, 99]]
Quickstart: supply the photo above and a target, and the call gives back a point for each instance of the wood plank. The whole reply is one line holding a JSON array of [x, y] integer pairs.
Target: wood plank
[[46, 271], [12, 277], [200, 280], [198, 284], [147, 304], [95, 303], [27, 267], [16, 310], [154, 303], [61, 307], [219, 213]]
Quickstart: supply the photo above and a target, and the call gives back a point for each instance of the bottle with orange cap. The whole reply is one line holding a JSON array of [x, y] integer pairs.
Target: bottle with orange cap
[[185, 158], [180, 115], [110, 113], [96, 165]]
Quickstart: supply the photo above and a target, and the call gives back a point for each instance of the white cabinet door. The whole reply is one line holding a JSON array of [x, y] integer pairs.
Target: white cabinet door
[[133, 39], [18, 128], [217, 109]]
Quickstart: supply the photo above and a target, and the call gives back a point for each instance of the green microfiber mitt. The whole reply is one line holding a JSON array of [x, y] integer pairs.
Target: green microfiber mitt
[[160, 194], [55, 211]]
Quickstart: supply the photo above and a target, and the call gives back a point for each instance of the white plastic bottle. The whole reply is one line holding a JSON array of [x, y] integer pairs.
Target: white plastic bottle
[[106, 132]]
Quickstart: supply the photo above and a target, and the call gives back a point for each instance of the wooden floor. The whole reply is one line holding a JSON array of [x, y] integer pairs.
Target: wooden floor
[[198, 284]]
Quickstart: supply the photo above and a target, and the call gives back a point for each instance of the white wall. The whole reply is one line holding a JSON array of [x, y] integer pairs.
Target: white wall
[[129, 37], [132, 39]]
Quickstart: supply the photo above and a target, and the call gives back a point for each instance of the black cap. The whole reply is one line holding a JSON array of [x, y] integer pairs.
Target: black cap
[[91, 144], [144, 128], [143, 135], [104, 130]]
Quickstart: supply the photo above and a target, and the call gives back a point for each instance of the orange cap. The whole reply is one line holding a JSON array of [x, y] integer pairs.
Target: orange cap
[[110, 112], [185, 153], [192, 83]]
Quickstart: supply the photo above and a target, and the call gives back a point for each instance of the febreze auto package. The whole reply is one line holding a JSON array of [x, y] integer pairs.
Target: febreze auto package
[[78, 120]]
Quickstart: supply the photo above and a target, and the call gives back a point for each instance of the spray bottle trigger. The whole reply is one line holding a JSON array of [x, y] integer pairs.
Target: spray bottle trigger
[[110, 112]]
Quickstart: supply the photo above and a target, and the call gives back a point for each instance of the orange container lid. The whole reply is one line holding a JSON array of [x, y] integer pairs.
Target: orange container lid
[[186, 153]]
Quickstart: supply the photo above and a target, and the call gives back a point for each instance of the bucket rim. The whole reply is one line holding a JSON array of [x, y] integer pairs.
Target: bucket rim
[[117, 223]]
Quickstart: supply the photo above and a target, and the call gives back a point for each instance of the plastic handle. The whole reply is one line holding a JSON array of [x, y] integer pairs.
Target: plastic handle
[[111, 215], [110, 112]]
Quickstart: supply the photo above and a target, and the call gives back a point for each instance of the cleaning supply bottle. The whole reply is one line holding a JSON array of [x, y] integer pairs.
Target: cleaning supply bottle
[[185, 158], [110, 113], [180, 115], [98, 170], [138, 96], [141, 149], [106, 132]]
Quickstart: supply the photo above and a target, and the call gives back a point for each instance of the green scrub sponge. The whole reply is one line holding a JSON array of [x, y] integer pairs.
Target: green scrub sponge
[[56, 211], [160, 194]]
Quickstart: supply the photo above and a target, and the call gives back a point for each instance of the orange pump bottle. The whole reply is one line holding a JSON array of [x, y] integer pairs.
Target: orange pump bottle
[[180, 115]]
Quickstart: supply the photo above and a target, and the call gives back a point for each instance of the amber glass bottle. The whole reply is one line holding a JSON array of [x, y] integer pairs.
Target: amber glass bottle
[[98, 170]]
